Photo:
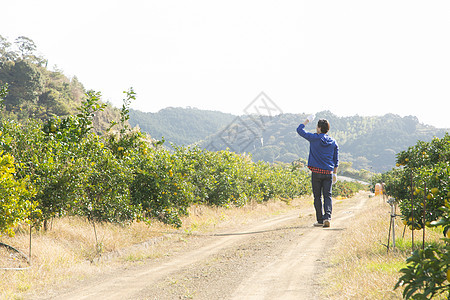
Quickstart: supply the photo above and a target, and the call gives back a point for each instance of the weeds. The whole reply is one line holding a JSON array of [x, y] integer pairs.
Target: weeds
[[68, 252], [361, 268]]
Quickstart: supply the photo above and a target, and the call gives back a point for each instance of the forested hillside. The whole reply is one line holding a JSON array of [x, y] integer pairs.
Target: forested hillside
[[180, 126], [36, 92], [367, 142], [370, 143]]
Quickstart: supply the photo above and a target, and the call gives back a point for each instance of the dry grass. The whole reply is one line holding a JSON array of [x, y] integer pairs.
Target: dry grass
[[361, 268], [68, 251], [205, 219]]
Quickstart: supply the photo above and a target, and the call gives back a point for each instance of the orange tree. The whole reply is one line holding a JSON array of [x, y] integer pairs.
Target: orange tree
[[58, 161], [347, 189], [16, 203], [105, 182], [69, 167], [100, 184], [122, 175], [284, 181], [15, 197], [421, 179], [427, 273], [225, 178], [422, 187], [218, 178], [160, 188], [165, 183]]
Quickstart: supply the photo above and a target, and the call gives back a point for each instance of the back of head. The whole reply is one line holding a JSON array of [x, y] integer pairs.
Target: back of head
[[324, 125]]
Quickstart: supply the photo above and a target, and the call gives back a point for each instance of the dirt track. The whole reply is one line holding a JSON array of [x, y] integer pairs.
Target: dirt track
[[280, 258]]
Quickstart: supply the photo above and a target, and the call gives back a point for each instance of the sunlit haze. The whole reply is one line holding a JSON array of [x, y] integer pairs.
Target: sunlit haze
[[349, 57]]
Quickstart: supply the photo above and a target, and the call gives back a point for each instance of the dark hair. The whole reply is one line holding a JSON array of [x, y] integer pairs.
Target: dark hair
[[323, 125]]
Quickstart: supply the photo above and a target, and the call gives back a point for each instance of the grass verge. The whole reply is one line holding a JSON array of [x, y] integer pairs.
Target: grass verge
[[360, 266], [68, 251]]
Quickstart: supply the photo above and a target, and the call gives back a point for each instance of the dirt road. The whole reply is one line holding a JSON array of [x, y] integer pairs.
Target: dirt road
[[280, 258]]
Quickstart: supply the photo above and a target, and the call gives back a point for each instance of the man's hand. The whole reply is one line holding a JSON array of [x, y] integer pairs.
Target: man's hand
[[334, 178], [310, 118]]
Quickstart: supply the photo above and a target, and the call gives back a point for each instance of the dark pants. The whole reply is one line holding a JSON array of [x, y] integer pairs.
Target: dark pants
[[322, 185]]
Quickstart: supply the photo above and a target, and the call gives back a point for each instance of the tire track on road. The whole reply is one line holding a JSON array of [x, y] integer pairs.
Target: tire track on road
[[294, 275], [290, 275]]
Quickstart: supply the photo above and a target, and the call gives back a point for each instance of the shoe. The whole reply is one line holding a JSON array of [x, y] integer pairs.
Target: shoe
[[326, 223], [317, 224]]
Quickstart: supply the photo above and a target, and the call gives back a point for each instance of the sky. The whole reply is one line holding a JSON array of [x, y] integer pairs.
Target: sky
[[357, 57]]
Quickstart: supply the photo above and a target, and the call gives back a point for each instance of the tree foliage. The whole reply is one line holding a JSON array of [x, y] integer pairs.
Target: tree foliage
[[37, 92], [421, 184], [123, 175], [368, 143], [16, 203], [58, 163]]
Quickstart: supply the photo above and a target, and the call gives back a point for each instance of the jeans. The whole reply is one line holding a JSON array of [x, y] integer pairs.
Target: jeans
[[322, 185]]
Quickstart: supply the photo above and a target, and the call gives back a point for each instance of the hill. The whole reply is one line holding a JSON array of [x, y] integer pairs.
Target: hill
[[369, 143], [36, 92], [182, 126]]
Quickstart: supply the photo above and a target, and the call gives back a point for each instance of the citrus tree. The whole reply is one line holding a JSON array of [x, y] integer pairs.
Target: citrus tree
[[427, 273], [96, 181], [16, 205], [16, 191], [421, 179], [64, 160], [105, 183], [160, 188], [421, 184], [225, 178], [123, 174]]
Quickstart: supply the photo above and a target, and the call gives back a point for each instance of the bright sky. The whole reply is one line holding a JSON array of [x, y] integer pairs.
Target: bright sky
[[349, 57]]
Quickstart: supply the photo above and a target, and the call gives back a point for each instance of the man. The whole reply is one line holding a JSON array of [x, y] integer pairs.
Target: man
[[323, 161]]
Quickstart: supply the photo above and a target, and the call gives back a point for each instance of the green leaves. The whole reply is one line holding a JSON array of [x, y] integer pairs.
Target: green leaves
[[346, 189], [124, 175], [422, 186], [166, 184], [160, 188], [424, 175], [105, 186], [426, 274], [91, 105], [15, 196]]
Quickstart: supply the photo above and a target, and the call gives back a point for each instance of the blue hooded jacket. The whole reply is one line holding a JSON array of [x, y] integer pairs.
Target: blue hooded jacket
[[323, 149]]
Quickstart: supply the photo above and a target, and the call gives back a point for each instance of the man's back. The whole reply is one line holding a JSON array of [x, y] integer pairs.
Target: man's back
[[324, 150]]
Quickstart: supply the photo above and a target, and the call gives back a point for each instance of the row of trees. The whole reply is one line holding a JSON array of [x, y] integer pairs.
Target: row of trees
[[62, 167], [421, 185], [368, 143]]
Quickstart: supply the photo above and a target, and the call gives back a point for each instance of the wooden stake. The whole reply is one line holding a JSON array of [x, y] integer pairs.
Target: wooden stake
[[29, 250]]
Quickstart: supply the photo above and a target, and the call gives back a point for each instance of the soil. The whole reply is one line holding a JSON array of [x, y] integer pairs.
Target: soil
[[283, 257]]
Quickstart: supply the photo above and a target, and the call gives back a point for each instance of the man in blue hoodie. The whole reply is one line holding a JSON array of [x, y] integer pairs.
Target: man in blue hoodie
[[323, 161]]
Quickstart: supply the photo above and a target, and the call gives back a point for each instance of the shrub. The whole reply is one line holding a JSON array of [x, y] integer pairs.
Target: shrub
[[15, 197]]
